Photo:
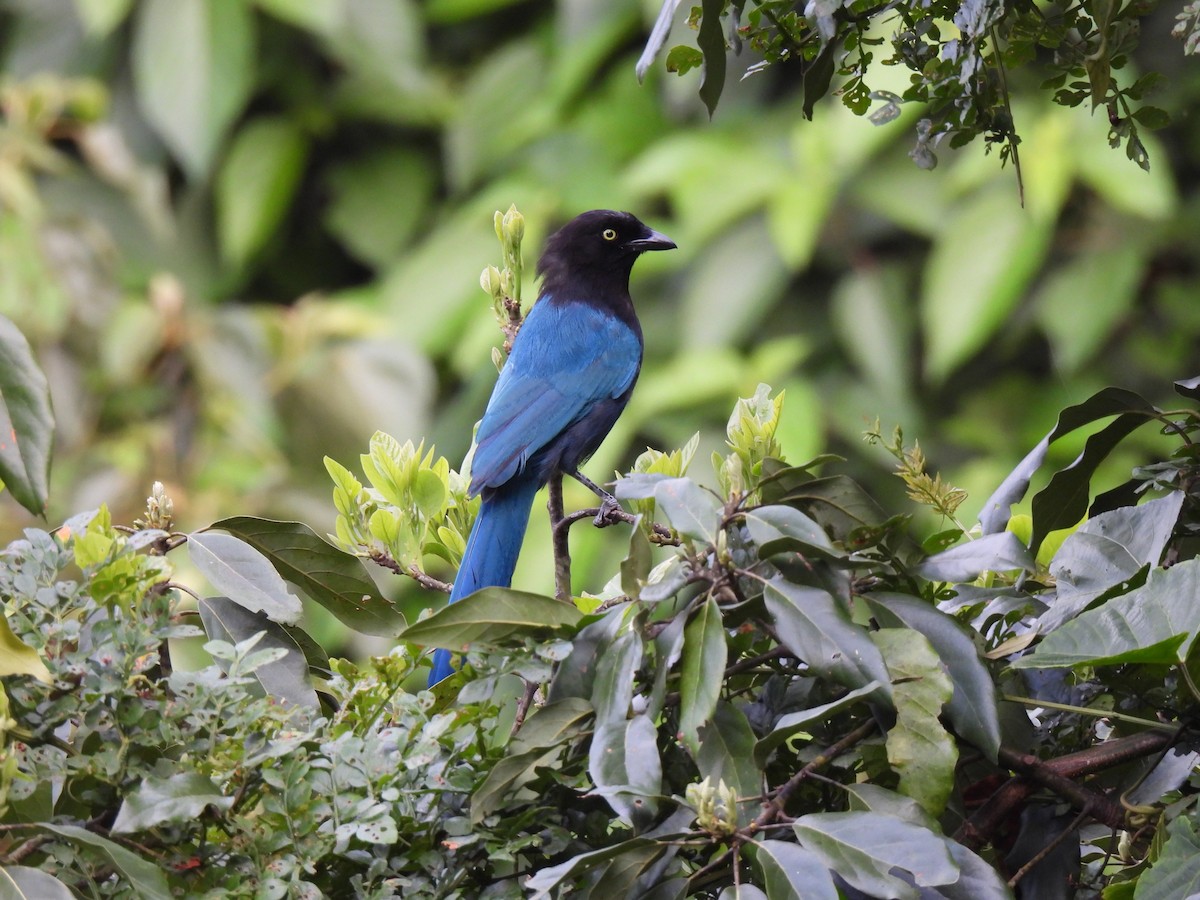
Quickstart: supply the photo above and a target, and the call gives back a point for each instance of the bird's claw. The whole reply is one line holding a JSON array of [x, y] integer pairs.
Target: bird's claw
[[607, 514]]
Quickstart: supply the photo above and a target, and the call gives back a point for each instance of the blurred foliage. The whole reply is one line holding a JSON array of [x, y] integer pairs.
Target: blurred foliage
[[243, 236]]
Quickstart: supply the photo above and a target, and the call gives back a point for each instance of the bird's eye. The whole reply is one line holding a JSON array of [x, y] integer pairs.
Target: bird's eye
[[609, 234]]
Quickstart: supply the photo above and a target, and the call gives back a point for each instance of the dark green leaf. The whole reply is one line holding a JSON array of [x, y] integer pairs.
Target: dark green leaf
[[145, 878], [576, 675], [626, 768], [1189, 387], [973, 708], [784, 529], [789, 872], [168, 801], [491, 617], [727, 753], [26, 422], [796, 723], [285, 679], [329, 576], [1155, 623], [864, 848], [239, 571], [812, 624], [1152, 117], [817, 78], [711, 40], [702, 672]]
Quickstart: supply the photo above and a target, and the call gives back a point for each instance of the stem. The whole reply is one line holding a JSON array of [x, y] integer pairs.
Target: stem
[[1088, 711], [559, 528]]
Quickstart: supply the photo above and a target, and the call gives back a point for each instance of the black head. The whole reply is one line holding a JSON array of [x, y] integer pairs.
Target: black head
[[598, 245]]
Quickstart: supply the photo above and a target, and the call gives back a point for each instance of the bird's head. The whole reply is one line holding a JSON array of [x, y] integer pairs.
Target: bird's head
[[600, 241]]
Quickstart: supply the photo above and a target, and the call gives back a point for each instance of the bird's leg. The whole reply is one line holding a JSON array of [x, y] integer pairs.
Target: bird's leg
[[608, 503]]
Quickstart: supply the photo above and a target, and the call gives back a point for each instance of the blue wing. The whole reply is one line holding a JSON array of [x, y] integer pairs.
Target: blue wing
[[567, 358]]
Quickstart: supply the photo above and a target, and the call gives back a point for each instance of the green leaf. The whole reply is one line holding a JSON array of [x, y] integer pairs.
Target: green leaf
[[1105, 551], [691, 510], [789, 872], [796, 723], [25, 883], [145, 878], [702, 671], [18, 658], [256, 184], [784, 529], [491, 617], [1156, 623], [864, 847], [981, 264], [973, 709], [538, 741], [243, 574], [727, 753], [318, 16], [626, 768], [285, 679], [328, 576], [812, 624], [193, 69], [711, 41], [100, 17], [26, 422], [1176, 872], [682, 59], [168, 801], [379, 202], [997, 552], [918, 747]]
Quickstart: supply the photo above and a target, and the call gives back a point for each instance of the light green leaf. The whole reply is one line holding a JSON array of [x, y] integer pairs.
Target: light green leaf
[[17, 657], [491, 617], [918, 747], [100, 17], [193, 66], [243, 574], [973, 709], [790, 872], [168, 801], [145, 878], [702, 672], [691, 510], [980, 265], [379, 202], [1176, 872], [1156, 623], [25, 883], [256, 184], [26, 422], [318, 16], [864, 847]]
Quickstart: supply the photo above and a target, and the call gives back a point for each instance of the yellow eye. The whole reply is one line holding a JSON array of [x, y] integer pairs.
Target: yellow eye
[[609, 234]]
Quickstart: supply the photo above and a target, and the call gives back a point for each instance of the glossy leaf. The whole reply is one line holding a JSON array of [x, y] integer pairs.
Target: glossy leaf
[[26, 422], [240, 572], [918, 747], [491, 617], [789, 872], [814, 626], [168, 801], [1106, 551], [1155, 623], [256, 184], [864, 847], [702, 671], [285, 679], [328, 576], [192, 69], [973, 709], [144, 877], [998, 552]]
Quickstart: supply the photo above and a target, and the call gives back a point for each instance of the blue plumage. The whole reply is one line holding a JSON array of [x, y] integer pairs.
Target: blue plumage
[[571, 371]]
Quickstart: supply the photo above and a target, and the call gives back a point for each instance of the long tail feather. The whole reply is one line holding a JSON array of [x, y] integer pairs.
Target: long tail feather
[[492, 550]]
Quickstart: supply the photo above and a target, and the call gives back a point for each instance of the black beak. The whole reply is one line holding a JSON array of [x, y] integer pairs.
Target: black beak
[[653, 241]]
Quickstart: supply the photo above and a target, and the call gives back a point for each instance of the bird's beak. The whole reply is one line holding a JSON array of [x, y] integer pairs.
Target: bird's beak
[[654, 241]]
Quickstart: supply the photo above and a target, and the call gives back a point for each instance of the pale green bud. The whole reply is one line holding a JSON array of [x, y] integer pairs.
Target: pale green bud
[[498, 223], [514, 227], [489, 280]]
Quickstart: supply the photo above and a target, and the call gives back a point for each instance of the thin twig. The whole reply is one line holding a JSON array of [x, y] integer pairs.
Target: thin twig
[[559, 524], [385, 559], [1048, 849], [531, 689]]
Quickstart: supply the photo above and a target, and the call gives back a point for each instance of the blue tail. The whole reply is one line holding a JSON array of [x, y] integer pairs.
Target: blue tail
[[492, 550]]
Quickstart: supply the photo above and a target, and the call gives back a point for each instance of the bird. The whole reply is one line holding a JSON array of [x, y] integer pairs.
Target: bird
[[570, 373]]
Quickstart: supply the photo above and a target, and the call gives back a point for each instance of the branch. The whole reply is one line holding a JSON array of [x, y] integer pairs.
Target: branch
[[383, 558], [559, 523]]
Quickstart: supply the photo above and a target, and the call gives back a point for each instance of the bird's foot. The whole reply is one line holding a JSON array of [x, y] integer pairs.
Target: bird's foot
[[610, 512]]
